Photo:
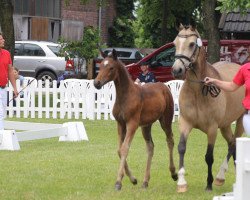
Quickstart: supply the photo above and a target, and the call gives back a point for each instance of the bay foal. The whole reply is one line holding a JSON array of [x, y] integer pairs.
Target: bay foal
[[136, 106]]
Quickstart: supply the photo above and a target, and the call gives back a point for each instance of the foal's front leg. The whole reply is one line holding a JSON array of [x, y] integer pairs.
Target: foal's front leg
[[121, 137], [125, 141]]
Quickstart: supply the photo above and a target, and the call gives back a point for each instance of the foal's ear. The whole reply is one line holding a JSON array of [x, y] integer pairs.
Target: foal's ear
[[102, 53], [114, 54]]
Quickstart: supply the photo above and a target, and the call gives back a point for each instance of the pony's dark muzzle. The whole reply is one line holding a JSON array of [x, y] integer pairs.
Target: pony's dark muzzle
[[97, 84], [177, 73]]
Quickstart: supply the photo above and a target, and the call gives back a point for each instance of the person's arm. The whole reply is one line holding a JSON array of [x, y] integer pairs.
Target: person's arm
[[12, 79], [137, 80], [228, 86]]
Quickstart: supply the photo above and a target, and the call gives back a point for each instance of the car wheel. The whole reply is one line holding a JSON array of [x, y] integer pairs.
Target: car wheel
[[46, 75]]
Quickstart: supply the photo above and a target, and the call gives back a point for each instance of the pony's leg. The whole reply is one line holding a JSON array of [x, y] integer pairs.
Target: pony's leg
[[167, 127], [146, 132], [123, 152], [185, 129], [228, 135], [209, 157]]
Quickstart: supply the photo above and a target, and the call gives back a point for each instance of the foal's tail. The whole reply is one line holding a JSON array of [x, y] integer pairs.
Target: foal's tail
[[169, 108]]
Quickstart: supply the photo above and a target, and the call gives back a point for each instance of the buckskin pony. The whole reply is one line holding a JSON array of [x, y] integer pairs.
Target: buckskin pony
[[204, 107], [135, 106]]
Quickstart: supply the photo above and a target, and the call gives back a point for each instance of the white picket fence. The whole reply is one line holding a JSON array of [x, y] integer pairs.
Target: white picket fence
[[77, 99]]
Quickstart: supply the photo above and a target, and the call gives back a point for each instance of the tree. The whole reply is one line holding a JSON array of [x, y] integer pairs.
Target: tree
[[157, 20], [7, 26], [230, 5], [121, 34], [211, 21], [87, 48]]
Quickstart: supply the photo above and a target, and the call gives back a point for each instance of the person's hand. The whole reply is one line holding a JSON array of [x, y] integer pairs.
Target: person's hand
[[209, 80], [15, 93]]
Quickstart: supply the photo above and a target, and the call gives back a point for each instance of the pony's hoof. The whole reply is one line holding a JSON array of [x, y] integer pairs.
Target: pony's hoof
[[175, 177], [134, 181], [145, 185], [118, 186], [182, 188], [219, 182]]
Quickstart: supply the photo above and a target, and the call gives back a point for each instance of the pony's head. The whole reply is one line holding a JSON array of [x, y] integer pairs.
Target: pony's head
[[108, 69], [188, 44]]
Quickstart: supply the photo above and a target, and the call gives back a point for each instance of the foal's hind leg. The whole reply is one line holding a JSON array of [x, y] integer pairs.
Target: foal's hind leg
[[166, 125], [146, 132]]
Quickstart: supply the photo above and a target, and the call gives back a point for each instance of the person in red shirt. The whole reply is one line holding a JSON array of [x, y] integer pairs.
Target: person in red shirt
[[6, 74], [242, 77]]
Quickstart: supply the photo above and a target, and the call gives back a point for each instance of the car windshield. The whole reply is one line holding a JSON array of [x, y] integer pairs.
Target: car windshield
[[55, 49]]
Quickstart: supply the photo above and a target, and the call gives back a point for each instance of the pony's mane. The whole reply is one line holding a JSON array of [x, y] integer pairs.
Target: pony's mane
[[191, 27]]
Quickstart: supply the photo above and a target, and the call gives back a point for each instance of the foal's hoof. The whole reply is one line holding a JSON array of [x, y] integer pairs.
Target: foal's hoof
[[175, 177], [134, 181], [181, 188], [219, 182], [145, 185], [118, 186]]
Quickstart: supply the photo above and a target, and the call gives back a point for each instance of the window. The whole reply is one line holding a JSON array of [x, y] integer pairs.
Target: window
[[166, 58], [45, 8], [32, 50], [55, 49], [123, 54], [17, 49], [138, 55]]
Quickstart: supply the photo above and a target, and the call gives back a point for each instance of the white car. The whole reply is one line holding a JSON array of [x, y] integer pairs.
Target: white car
[[41, 59], [126, 55]]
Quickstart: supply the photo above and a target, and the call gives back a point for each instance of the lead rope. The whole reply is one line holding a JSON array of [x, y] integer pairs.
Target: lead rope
[[211, 89], [22, 89]]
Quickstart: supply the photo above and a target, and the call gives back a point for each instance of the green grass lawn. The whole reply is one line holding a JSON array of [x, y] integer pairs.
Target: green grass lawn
[[48, 169]]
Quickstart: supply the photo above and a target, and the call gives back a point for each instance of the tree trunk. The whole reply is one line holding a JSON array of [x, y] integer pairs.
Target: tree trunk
[[211, 21], [7, 25], [164, 37], [90, 69]]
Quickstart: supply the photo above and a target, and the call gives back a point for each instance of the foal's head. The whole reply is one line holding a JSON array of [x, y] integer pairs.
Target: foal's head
[[108, 69], [188, 44]]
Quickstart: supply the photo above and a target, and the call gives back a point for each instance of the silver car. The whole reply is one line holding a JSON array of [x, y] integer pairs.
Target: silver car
[[40, 59]]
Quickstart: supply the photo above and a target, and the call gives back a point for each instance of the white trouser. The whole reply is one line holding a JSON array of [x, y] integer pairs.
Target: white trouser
[[3, 105], [246, 122]]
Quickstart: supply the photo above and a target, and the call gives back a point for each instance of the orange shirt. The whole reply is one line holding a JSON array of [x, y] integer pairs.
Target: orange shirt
[[243, 77], [5, 60]]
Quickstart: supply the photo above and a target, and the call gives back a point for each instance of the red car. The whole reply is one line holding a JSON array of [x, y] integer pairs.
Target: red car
[[161, 60]]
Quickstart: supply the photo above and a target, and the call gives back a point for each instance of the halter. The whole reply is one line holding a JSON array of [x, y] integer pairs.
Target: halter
[[189, 59], [211, 88]]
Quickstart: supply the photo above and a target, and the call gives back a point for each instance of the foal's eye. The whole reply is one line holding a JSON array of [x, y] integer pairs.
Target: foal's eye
[[192, 44], [111, 68]]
